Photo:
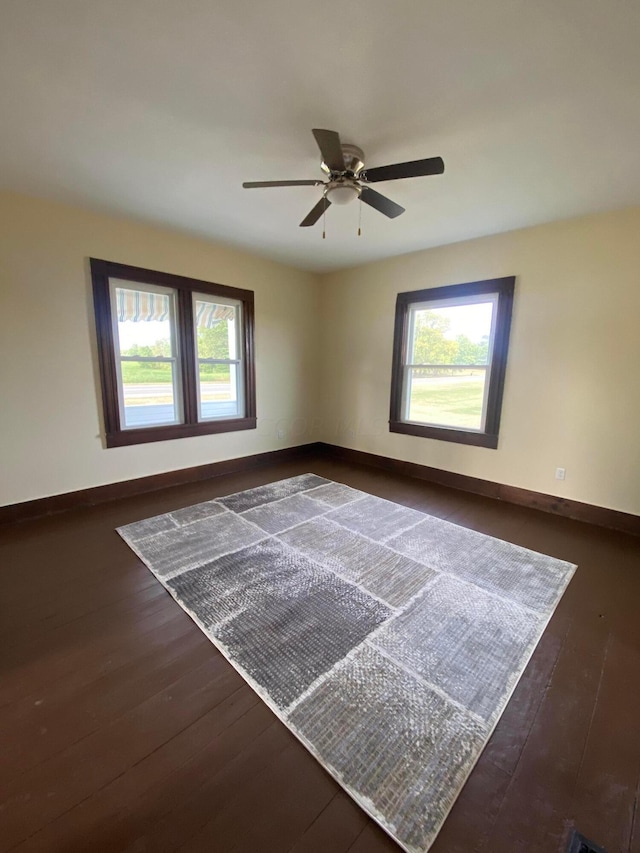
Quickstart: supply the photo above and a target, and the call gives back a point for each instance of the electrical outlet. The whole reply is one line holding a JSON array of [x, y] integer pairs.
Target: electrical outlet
[[281, 433], [561, 473]]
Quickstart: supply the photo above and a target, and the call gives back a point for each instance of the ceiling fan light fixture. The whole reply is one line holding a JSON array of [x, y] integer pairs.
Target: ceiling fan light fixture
[[342, 193]]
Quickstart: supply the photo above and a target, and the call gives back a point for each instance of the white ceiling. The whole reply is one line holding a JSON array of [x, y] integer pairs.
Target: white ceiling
[[161, 108]]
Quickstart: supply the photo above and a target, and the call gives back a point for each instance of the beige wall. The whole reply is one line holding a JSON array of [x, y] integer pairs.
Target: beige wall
[[50, 420], [572, 392]]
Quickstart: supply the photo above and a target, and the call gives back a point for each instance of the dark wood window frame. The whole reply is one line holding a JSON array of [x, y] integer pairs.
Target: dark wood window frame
[[504, 288], [115, 435]]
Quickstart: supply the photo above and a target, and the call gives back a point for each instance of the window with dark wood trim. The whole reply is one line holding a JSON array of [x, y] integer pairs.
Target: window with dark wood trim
[[176, 354], [449, 361]]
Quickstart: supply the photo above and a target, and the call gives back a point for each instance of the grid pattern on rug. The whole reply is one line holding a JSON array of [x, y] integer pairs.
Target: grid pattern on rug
[[387, 640]]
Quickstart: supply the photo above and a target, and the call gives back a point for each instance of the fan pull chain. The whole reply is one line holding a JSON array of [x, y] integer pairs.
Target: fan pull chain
[[324, 222], [359, 217]]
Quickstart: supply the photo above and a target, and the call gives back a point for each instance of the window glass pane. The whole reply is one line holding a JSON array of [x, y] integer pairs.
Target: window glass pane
[[149, 370], [218, 391], [144, 322], [449, 397], [216, 329], [454, 334], [217, 326], [149, 393]]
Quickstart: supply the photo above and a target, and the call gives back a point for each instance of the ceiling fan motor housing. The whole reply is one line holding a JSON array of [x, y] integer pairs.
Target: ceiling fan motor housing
[[353, 160], [343, 188]]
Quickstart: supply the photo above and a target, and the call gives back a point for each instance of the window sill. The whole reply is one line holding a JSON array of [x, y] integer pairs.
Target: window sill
[[167, 433], [460, 436]]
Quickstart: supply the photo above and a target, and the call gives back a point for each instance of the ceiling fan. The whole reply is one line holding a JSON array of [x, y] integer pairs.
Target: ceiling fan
[[348, 179]]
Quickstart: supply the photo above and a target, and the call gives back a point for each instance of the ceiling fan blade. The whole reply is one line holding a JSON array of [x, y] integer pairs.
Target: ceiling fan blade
[[312, 217], [250, 185], [413, 169], [381, 203], [330, 148]]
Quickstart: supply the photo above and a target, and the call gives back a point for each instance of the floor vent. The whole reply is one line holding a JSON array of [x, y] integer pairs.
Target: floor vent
[[580, 844]]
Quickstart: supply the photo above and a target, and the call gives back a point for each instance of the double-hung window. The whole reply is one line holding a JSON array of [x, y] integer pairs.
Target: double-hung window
[[449, 361], [175, 354]]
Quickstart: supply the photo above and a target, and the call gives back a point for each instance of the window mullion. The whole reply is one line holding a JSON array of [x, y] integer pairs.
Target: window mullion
[[186, 342]]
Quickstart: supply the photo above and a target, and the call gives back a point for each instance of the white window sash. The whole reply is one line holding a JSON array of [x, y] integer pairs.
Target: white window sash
[[238, 348], [407, 365], [174, 359]]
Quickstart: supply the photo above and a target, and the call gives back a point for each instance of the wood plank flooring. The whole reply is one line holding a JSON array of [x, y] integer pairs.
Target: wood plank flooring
[[123, 729]]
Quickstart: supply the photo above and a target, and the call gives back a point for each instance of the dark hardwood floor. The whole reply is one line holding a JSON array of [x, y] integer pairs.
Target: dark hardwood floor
[[124, 729]]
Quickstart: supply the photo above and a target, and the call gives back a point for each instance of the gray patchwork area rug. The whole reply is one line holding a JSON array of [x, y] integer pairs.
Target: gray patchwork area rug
[[387, 640]]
